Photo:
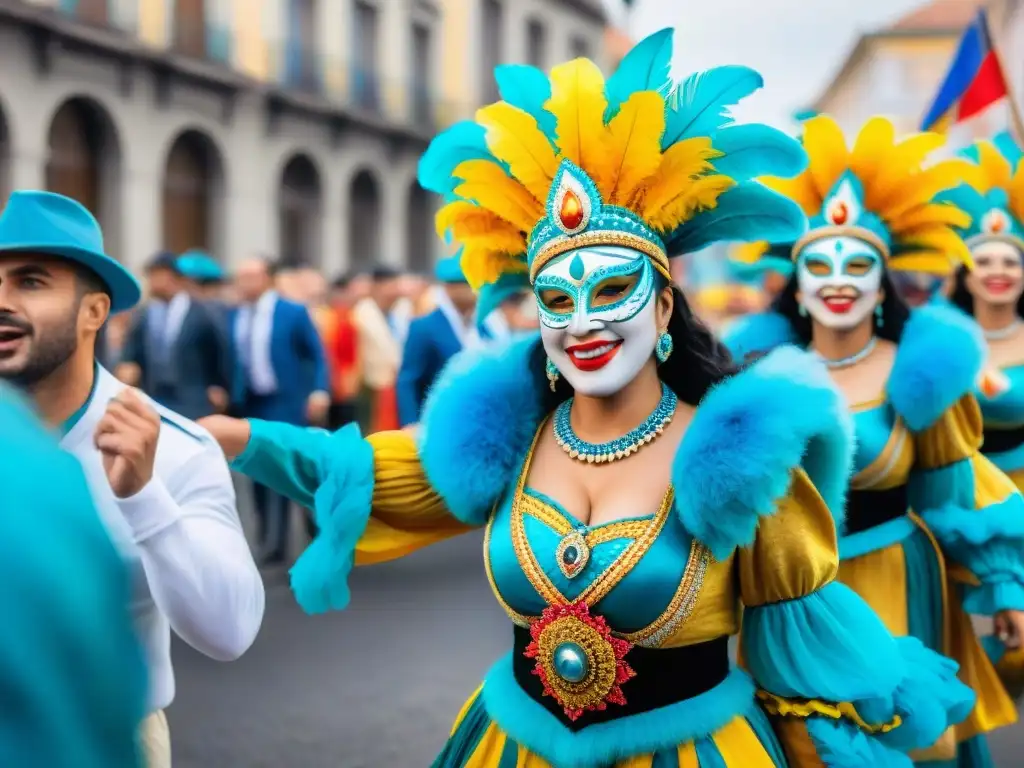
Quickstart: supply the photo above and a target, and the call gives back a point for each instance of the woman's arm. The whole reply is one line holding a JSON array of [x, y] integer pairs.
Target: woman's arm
[[371, 498]]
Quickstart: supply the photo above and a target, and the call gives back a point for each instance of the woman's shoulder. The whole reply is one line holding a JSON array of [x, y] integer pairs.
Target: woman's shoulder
[[938, 361], [749, 436], [479, 422]]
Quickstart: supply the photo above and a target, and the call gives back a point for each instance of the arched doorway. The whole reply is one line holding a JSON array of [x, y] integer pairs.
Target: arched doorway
[[419, 230], [299, 205], [364, 248], [83, 158], [193, 179]]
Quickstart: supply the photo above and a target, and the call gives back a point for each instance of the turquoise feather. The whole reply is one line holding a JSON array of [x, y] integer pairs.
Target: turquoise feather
[[700, 104], [1008, 147], [758, 150], [463, 141], [645, 68], [747, 212], [528, 89]]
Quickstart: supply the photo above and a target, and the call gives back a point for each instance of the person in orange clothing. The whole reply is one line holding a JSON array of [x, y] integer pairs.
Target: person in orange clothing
[[341, 341]]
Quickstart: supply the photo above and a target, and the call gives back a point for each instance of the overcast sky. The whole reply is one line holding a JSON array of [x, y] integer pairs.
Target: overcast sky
[[796, 44]]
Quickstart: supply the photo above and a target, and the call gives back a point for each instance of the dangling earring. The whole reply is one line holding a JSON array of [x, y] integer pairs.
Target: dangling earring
[[802, 311], [663, 348], [878, 316], [552, 374]]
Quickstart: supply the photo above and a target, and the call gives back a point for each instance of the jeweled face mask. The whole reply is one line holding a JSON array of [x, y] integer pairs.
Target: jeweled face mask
[[839, 279], [597, 316]]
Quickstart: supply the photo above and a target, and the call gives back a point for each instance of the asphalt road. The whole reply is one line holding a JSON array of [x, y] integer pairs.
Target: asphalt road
[[376, 686]]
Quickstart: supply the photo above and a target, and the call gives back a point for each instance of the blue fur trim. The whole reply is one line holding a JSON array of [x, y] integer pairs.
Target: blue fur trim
[[342, 505], [478, 423], [938, 361], [758, 333], [840, 744], [531, 725], [747, 437]]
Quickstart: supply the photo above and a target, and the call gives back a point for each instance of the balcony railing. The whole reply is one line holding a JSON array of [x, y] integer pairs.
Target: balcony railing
[[302, 68], [366, 89]]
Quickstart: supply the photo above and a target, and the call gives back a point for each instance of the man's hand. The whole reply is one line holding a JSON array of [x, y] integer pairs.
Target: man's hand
[[316, 408], [218, 398], [128, 373], [127, 436], [1009, 627], [232, 435]]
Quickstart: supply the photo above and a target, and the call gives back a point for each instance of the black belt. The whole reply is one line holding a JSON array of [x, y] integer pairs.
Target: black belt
[[663, 676], [1002, 440], [867, 509]]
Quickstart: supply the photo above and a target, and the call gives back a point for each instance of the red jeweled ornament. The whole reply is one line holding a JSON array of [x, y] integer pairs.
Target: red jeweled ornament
[[840, 213], [997, 224], [571, 210], [578, 660]]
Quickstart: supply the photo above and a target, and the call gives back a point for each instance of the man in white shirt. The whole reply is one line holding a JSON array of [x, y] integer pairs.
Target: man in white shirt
[[159, 480]]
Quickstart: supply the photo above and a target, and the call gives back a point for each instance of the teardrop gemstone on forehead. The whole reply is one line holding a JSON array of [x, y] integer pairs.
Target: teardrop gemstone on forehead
[[571, 210], [577, 269]]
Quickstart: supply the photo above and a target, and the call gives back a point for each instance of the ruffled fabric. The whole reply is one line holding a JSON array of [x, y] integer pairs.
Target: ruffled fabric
[[990, 544], [830, 646], [342, 507]]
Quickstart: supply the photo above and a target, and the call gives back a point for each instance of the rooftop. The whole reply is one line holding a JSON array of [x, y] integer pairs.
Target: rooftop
[[937, 16]]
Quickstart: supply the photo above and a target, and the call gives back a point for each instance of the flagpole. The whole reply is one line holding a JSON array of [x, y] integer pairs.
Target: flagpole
[[1016, 118]]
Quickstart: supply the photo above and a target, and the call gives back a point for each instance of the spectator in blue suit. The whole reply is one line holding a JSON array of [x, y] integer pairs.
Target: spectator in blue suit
[[282, 376], [434, 338]]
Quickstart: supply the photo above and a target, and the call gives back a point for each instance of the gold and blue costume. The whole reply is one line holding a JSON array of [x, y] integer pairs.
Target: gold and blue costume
[[933, 530], [994, 200], [747, 525]]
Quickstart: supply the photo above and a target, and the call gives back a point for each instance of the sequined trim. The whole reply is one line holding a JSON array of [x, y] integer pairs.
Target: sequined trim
[[682, 604], [553, 519], [566, 243], [804, 708]]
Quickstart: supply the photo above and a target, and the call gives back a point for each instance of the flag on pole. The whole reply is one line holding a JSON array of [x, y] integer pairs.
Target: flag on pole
[[975, 79]]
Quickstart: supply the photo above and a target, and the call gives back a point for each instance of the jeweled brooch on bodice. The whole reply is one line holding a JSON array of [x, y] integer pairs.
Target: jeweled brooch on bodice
[[578, 660]]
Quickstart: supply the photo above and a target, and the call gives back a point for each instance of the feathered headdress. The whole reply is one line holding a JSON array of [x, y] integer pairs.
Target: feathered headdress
[[878, 191], [574, 161], [994, 197]]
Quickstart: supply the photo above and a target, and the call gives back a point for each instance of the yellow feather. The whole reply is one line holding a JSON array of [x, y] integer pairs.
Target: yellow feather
[[995, 169], [681, 163], [1016, 192], [481, 265], [470, 223], [898, 164], [749, 253], [874, 141], [801, 190], [826, 152], [634, 146], [699, 195], [919, 188], [513, 136], [945, 214], [923, 261], [578, 104], [491, 188], [939, 239]]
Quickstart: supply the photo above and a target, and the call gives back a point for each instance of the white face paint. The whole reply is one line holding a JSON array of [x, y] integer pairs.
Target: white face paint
[[839, 279], [598, 316], [998, 274]]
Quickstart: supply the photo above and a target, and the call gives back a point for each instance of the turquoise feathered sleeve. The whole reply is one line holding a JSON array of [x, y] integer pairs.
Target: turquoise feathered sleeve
[[761, 476], [972, 508]]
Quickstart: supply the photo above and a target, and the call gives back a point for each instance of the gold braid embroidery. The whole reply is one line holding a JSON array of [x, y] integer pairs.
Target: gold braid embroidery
[[804, 708]]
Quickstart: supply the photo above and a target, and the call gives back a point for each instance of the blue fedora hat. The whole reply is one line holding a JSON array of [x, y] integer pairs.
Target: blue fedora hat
[[48, 223], [450, 270]]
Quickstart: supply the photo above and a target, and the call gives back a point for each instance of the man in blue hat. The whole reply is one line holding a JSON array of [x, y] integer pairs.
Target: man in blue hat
[[159, 481], [178, 347], [434, 338], [71, 667]]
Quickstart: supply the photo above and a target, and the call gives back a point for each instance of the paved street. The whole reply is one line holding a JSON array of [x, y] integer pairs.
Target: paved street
[[374, 687]]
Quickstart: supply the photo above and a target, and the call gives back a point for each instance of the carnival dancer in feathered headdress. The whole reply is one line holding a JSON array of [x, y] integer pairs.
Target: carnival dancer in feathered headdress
[[872, 210], [634, 489]]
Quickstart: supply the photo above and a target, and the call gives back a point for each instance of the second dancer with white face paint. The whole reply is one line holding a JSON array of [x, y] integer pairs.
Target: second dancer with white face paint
[[923, 502]]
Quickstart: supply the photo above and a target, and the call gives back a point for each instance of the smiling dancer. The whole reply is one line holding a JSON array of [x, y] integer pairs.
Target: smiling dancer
[[871, 212], [625, 523], [992, 291]]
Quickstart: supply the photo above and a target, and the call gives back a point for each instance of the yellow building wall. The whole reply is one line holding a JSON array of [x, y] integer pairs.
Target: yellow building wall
[[456, 48], [251, 52], [154, 24]]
